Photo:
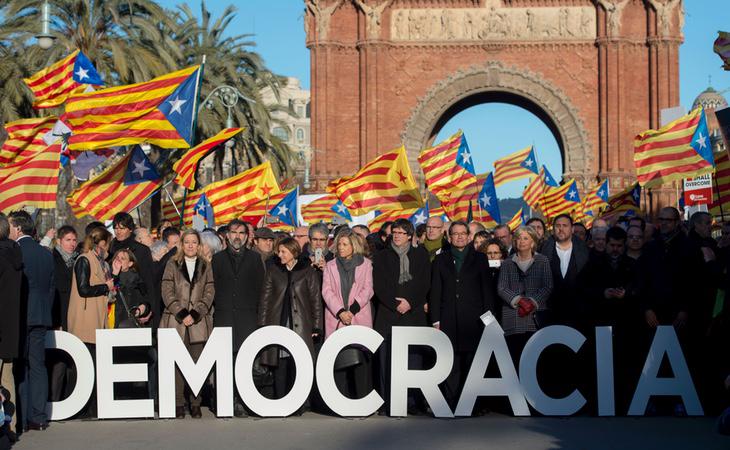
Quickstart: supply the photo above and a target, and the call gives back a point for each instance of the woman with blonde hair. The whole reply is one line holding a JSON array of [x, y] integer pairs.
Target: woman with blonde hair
[[347, 288], [187, 292], [525, 284]]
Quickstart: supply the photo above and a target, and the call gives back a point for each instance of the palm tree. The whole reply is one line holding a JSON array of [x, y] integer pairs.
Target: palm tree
[[231, 62]]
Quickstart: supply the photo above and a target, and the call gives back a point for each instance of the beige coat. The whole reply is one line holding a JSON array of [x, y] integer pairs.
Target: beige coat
[[88, 314], [183, 296]]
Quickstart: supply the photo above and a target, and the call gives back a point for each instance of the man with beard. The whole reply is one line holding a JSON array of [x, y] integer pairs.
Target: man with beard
[[238, 275]]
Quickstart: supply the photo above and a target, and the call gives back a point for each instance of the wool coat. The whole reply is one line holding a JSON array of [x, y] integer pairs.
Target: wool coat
[[386, 270], [38, 287], [301, 289], [358, 301], [238, 281], [87, 306], [536, 284], [458, 299], [185, 296], [11, 274]]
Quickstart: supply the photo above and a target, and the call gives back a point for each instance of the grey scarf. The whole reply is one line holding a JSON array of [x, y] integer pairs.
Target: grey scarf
[[68, 258], [346, 269], [405, 271]]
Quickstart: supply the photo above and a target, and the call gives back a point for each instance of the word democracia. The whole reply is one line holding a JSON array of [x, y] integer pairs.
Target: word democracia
[[520, 390]]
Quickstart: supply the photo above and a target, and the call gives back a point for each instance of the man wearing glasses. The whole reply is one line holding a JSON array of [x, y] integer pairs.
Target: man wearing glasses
[[318, 253], [435, 241]]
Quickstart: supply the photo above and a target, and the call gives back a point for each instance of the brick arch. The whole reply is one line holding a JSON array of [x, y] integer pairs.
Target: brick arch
[[496, 82]]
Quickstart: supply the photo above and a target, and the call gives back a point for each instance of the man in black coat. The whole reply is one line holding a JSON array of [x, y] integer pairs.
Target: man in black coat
[[11, 274], [123, 226], [38, 290], [401, 280], [461, 291], [238, 274]]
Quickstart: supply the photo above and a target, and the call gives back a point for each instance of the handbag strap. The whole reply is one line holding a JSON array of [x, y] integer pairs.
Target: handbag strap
[[126, 306]]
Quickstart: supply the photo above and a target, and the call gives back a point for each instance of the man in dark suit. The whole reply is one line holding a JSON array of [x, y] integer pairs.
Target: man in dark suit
[[461, 291], [38, 292], [238, 274], [401, 280]]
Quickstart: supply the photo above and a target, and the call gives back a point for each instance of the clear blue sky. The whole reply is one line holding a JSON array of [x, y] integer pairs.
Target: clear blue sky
[[492, 130]]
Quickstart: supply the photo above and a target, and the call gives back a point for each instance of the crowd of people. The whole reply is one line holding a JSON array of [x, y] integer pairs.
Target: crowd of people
[[632, 275]]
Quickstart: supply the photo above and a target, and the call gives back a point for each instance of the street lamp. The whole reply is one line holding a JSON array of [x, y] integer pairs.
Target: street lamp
[[45, 39], [228, 96]]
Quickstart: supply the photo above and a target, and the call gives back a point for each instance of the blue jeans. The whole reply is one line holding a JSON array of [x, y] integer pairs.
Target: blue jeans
[[33, 386]]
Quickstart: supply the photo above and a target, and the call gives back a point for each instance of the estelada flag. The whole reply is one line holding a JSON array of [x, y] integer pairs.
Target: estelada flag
[[25, 139], [520, 164], [597, 197], [31, 181], [54, 84], [121, 187], [320, 210], [385, 182], [230, 197], [721, 193], [722, 48], [159, 112], [679, 150], [187, 165], [560, 200]]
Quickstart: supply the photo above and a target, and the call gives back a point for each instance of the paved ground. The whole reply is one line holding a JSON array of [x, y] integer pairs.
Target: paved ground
[[313, 431]]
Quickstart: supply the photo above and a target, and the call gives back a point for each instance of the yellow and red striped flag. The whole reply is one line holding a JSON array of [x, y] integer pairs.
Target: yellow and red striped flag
[[385, 182], [626, 202], [168, 209], [54, 84], [722, 48], [437, 212], [583, 215], [187, 165], [721, 187], [516, 221], [679, 150], [597, 197], [159, 112], [449, 172], [25, 139], [320, 210], [232, 195], [32, 181], [520, 164], [254, 212], [121, 187], [561, 200], [389, 215]]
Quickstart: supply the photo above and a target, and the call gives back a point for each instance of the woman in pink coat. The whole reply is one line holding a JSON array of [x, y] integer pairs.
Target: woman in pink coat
[[349, 276]]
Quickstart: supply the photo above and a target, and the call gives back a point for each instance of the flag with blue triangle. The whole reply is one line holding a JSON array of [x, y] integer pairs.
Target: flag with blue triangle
[[488, 200], [549, 180], [420, 216], [139, 168], [179, 107], [204, 209], [286, 209], [342, 210]]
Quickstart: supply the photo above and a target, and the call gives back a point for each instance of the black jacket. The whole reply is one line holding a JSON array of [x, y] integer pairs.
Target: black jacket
[[133, 291], [386, 269], [238, 281], [64, 277], [11, 274], [458, 299], [600, 274], [566, 305], [144, 260], [38, 287], [669, 269]]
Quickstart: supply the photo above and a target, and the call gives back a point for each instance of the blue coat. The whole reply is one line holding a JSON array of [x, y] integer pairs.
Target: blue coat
[[39, 287]]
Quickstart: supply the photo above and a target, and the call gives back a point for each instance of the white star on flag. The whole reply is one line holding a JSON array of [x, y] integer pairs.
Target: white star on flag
[[282, 210], [529, 162], [486, 200], [176, 105], [600, 193], [466, 157], [702, 141], [420, 218], [340, 207], [82, 73], [572, 194], [140, 168]]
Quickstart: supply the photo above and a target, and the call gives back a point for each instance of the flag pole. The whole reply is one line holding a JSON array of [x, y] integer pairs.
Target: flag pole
[[164, 186], [196, 108], [266, 208], [169, 196]]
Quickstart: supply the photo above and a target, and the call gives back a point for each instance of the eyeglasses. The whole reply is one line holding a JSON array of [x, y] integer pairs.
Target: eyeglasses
[[636, 238], [460, 234], [300, 235], [402, 233], [318, 239]]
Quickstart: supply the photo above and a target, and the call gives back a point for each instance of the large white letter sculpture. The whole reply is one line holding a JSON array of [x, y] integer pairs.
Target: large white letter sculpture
[[492, 342], [256, 341], [665, 342], [556, 334], [340, 404], [218, 352], [76, 349], [401, 379], [109, 373]]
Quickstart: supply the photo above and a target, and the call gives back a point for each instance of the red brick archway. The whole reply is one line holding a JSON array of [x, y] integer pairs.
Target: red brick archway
[[389, 72]]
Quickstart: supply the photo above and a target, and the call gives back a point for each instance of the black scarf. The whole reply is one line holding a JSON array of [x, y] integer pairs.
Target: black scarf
[[346, 269]]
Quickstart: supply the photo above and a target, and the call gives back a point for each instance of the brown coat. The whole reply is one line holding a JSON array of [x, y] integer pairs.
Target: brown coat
[[88, 314], [305, 291], [183, 296]]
